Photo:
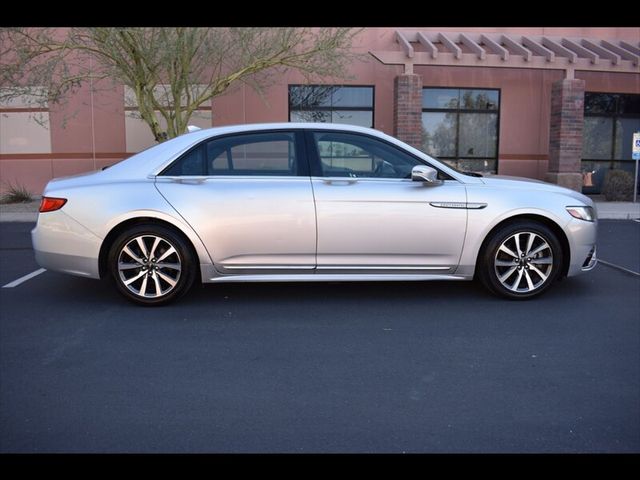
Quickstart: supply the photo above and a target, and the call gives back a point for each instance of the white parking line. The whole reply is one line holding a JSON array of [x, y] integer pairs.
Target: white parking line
[[619, 267], [29, 276]]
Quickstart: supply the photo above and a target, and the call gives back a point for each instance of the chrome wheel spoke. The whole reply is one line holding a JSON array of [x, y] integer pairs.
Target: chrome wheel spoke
[[517, 240], [505, 263], [507, 274], [128, 251], [539, 248], [172, 266], [129, 281], [153, 248], [514, 285], [166, 278], [142, 246], [506, 250], [157, 282], [543, 276], [529, 281], [542, 261], [532, 237], [143, 287], [128, 266], [166, 254]]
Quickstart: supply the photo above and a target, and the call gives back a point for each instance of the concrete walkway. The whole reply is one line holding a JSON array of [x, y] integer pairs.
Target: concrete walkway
[[28, 212], [618, 210]]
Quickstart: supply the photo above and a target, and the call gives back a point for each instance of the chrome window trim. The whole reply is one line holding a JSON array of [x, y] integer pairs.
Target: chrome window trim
[[421, 156]]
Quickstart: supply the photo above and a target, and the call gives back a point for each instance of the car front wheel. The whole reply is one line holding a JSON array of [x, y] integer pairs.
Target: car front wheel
[[151, 265], [521, 260]]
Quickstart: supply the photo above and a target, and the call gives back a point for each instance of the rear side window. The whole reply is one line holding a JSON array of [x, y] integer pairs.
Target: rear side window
[[191, 163], [255, 154]]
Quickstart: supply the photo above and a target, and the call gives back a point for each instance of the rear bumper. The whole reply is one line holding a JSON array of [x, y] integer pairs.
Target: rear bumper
[[61, 244]]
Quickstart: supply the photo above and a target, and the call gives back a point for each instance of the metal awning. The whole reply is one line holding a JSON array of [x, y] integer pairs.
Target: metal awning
[[468, 49]]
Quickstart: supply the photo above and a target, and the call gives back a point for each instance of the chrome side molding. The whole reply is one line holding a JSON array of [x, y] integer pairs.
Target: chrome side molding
[[465, 205]]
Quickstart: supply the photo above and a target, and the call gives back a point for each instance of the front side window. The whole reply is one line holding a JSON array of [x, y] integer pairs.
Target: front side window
[[360, 156], [460, 127], [255, 154], [331, 104], [610, 119]]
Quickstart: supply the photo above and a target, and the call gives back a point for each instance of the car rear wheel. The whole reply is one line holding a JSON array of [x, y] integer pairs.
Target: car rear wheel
[[151, 265], [521, 260]]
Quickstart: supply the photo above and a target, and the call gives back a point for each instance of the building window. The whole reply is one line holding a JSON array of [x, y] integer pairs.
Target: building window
[[609, 122], [460, 127], [24, 123], [331, 104]]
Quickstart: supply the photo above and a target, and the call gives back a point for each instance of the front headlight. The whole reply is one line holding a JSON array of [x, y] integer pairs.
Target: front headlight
[[583, 213]]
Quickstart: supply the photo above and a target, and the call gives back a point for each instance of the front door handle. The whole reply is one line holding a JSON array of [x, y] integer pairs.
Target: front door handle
[[340, 181]]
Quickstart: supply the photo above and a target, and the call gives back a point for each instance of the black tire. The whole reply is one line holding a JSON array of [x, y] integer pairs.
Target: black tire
[[500, 271], [177, 267]]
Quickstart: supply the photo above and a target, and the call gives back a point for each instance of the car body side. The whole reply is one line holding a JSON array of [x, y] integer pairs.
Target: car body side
[[74, 239]]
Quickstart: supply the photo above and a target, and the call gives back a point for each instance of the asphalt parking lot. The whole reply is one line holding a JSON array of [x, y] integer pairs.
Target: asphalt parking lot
[[337, 367]]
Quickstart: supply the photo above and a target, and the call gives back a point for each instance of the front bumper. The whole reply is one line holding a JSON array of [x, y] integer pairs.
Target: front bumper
[[582, 237], [61, 244], [591, 261]]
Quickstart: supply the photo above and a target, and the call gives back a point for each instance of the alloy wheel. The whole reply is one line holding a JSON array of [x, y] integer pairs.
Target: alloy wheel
[[524, 262], [149, 266]]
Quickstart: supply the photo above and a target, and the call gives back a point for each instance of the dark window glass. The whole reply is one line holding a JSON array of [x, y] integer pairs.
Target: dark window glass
[[460, 127], [597, 137], [310, 96], [439, 133], [479, 99], [625, 128], [352, 97], [320, 116], [599, 103], [440, 98], [610, 119], [252, 154], [246, 154], [478, 135], [353, 117], [629, 104], [359, 156], [191, 163], [331, 103]]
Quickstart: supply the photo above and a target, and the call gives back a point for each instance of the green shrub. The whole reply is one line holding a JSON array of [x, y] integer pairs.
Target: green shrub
[[16, 194], [618, 186]]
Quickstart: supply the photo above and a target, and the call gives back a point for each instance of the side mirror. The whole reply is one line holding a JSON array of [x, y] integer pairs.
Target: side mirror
[[423, 173]]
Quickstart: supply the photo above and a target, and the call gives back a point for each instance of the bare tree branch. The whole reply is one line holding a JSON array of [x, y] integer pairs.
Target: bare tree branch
[[171, 71]]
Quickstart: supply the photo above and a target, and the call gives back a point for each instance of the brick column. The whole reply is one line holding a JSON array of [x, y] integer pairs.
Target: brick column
[[407, 109], [565, 135]]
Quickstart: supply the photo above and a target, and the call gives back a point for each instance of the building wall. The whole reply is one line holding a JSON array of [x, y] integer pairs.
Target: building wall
[[95, 135]]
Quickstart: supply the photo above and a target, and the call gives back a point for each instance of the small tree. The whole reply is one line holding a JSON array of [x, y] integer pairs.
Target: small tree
[[170, 71]]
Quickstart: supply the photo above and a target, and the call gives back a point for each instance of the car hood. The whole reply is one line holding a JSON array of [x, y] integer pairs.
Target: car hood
[[521, 183]]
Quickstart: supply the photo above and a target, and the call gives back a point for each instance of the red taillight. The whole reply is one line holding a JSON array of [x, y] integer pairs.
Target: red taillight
[[50, 204]]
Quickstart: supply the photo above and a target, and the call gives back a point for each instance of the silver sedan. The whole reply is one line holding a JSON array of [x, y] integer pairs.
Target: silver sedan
[[307, 202]]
